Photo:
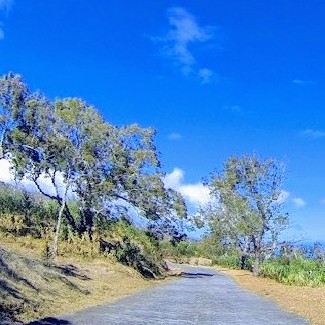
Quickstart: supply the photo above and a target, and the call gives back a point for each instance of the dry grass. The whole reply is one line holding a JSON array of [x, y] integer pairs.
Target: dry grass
[[107, 281], [68, 285], [305, 301]]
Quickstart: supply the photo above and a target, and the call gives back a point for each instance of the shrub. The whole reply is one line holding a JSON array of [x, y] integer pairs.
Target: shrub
[[298, 271], [24, 213], [230, 261]]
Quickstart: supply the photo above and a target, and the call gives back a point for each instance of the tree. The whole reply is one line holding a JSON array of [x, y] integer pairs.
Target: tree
[[246, 214], [68, 142], [13, 93]]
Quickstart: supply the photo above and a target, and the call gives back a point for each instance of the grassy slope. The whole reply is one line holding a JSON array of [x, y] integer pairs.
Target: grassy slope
[[33, 288]]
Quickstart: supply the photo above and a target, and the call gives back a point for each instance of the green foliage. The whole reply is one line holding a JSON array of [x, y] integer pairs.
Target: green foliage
[[184, 248], [246, 214], [11, 200], [298, 271], [131, 254], [122, 229], [233, 261], [68, 141], [230, 261], [27, 216], [23, 213]]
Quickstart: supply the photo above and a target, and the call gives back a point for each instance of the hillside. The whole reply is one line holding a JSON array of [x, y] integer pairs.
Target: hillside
[[116, 261], [31, 287]]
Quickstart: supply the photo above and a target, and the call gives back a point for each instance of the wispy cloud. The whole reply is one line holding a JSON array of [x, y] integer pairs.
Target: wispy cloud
[[5, 6], [233, 108], [174, 136], [2, 34], [45, 183], [196, 194], [310, 133], [205, 75], [322, 201], [184, 34], [301, 82], [299, 202], [283, 197]]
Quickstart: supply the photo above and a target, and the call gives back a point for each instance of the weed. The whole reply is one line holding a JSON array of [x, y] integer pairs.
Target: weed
[[298, 271]]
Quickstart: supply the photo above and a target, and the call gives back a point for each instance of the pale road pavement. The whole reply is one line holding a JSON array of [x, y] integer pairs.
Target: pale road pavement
[[193, 299]]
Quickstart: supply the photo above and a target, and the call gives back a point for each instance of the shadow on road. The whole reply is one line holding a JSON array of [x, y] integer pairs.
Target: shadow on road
[[194, 275], [50, 321]]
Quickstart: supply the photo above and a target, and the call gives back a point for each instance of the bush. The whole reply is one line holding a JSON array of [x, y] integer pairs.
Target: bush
[[298, 271], [130, 254], [230, 261], [11, 200], [23, 213]]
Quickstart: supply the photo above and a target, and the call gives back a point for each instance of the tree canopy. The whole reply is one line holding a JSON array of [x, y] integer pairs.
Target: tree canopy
[[246, 213], [106, 168]]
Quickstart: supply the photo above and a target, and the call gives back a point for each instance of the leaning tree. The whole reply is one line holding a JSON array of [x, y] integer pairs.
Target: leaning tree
[[246, 211], [106, 168]]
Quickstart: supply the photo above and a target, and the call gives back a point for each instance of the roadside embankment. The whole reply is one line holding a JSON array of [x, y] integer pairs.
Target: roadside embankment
[[32, 288]]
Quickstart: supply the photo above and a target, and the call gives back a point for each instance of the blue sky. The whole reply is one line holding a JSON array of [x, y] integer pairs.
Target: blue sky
[[215, 78]]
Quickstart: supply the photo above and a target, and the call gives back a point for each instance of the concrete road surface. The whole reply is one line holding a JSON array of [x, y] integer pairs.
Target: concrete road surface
[[201, 296]]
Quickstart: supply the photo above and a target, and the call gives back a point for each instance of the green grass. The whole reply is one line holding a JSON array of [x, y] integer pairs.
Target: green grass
[[298, 271], [229, 261]]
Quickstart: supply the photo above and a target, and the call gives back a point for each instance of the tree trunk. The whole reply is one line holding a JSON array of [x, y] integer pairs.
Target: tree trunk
[[57, 230], [86, 224], [69, 217], [256, 266], [243, 259]]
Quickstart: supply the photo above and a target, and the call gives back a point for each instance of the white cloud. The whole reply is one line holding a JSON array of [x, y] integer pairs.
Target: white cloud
[[205, 75], [174, 179], [299, 81], [316, 134], [5, 175], [283, 197], [184, 33], [233, 108], [299, 202], [196, 194], [174, 136], [45, 183], [5, 6]]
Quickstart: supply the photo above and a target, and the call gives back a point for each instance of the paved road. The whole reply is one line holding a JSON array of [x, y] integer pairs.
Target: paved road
[[197, 298]]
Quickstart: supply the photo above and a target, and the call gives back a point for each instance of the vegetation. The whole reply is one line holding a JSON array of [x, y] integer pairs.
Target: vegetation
[[108, 170], [30, 280], [91, 178], [98, 176], [246, 214], [32, 287], [298, 271]]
